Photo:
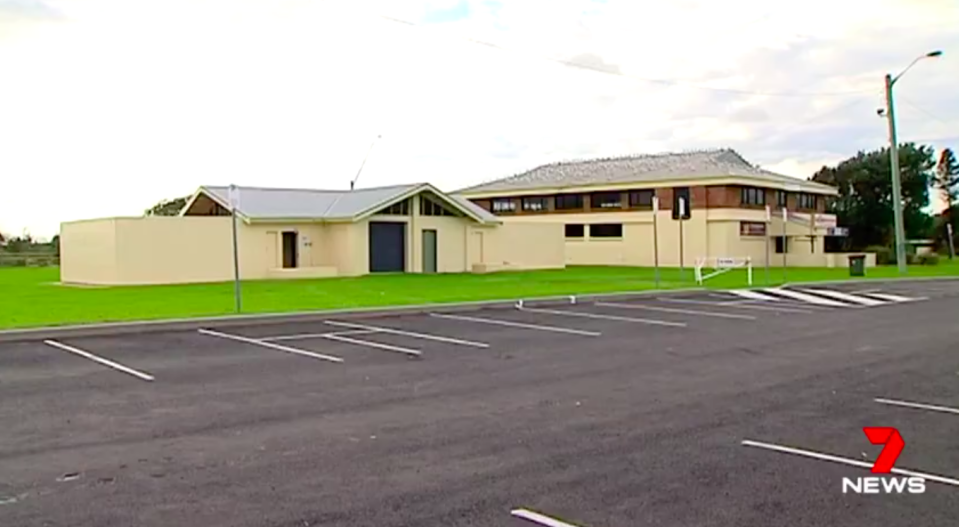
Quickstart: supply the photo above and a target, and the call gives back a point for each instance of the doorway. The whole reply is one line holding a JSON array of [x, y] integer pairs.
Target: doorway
[[429, 251], [289, 250], [387, 247]]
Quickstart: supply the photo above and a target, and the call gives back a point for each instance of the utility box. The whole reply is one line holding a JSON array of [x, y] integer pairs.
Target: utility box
[[857, 265]]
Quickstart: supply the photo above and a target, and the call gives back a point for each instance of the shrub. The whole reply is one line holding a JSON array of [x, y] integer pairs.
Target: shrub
[[929, 259], [912, 259], [884, 255]]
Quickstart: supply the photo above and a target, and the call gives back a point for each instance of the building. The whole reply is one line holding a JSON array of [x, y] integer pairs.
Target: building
[[606, 209], [301, 233]]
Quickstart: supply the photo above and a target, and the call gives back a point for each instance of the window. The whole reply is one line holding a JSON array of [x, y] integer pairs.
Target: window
[[502, 205], [642, 199], [397, 209], [753, 196], [781, 198], [682, 193], [429, 207], [782, 244], [569, 201], [806, 201], [606, 200], [752, 228], [606, 230], [535, 204], [575, 230]]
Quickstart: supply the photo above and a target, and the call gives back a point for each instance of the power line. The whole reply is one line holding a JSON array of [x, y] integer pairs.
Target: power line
[[665, 82], [920, 109]]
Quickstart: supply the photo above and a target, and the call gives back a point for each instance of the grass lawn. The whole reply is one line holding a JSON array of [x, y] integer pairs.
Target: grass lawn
[[32, 296]]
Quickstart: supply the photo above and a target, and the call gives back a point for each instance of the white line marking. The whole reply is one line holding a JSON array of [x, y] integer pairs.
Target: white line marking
[[847, 461], [522, 325], [101, 360], [278, 347], [541, 519], [866, 291], [736, 304], [604, 317], [413, 334], [679, 311], [919, 406], [754, 295], [894, 298], [305, 336], [803, 297], [864, 300], [370, 344]]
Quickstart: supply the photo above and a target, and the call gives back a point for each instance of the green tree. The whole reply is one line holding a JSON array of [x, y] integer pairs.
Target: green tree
[[169, 207], [864, 204], [947, 177]]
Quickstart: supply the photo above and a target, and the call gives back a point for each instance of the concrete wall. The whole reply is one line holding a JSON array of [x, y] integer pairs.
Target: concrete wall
[[88, 252]]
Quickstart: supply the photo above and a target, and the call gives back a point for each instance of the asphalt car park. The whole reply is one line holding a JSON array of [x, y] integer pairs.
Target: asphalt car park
[[706, 408]]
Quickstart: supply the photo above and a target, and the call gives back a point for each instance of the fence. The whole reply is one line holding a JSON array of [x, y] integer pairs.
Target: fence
[[28, 259]]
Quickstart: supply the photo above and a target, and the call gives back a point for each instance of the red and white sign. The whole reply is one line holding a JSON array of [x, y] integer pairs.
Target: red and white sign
[[894, 444]]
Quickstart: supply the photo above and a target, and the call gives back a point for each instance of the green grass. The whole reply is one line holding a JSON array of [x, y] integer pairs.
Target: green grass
[[32, 296]]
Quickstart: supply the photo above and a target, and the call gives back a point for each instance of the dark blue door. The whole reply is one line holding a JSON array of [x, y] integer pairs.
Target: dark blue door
[[387, 247]]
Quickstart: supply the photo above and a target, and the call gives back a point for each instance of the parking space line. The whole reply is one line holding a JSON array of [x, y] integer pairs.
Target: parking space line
[[918, 406], [278, 347], [305, 336], [846, 461], [425, 336], [678, 311], [370, 344], [839, 295], [541, 519], [106, 362], [807, 298], [521, 325], [737, 304], [604, 317]]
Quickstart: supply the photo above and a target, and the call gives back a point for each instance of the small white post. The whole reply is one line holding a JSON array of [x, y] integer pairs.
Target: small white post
[[749, 270]]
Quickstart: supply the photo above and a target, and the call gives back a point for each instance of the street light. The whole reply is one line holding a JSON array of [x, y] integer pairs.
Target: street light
[[894, 162]]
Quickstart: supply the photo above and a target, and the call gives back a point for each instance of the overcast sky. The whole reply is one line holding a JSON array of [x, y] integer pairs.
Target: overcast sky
[[107, 106]]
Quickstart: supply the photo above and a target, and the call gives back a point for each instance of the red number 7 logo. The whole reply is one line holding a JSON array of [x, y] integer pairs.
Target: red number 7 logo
[[890, 453]]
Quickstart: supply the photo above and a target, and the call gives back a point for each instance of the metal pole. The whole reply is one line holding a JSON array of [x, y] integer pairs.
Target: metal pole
[[236, 252], [682, 212], [785, 240], [896, 184], [769, 228], [952, 248], [656, 240]]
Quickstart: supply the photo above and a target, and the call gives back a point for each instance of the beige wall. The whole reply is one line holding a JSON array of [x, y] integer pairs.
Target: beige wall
[[516, 245], [88, 252], [160, 250]]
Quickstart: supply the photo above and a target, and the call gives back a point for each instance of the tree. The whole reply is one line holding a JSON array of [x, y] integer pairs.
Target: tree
[[168, 207], [947, 177], [864, 204]]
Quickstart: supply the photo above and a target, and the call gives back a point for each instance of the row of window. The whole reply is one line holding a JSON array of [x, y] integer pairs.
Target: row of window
[[599, 200], [757, 196], [428, 207], [638, 199], [596, 230]]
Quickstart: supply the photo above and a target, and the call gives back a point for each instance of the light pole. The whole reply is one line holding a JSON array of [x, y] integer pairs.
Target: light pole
[[894, 162]]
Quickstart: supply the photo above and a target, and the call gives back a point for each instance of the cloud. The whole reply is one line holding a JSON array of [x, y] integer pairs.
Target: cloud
[[127, 103]]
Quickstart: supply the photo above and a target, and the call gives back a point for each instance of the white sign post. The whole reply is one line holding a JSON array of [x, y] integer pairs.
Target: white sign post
[[656, 240], [769, 232], [952, 248], [234, 201], [785, 239], [682, 214]]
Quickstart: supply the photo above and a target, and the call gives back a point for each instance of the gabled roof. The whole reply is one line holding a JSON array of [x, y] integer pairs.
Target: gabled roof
[[257, 203], [706, 164]]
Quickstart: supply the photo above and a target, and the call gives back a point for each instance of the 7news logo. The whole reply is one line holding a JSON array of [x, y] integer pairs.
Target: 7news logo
[[884, 465]]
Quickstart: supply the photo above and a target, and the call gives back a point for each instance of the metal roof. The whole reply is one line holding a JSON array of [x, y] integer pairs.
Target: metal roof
[[707, 164], [282, 204]]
